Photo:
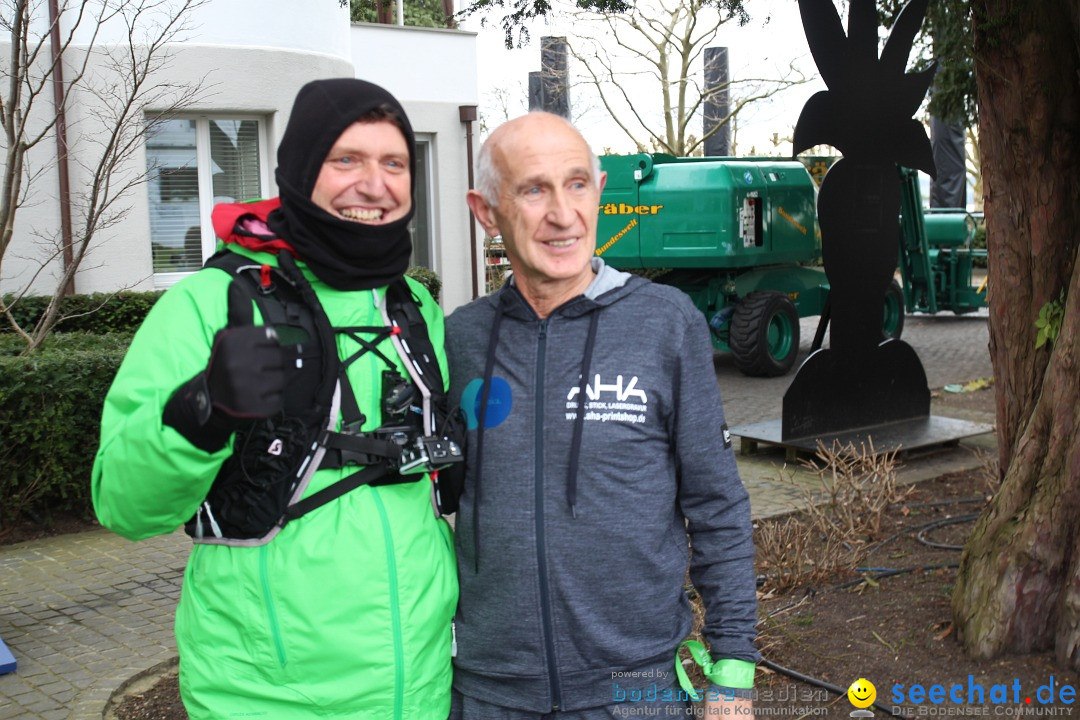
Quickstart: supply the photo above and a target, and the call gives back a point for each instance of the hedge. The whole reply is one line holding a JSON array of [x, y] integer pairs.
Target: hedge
[[50, 417], [98, 313]]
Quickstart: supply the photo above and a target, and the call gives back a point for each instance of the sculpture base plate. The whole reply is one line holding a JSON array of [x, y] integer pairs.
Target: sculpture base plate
[[904, 436]]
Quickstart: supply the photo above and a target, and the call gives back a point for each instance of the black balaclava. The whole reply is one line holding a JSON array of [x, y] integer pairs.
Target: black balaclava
[[344, 254]]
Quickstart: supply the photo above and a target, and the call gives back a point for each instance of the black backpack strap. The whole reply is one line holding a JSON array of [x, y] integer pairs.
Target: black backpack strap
[[403, 307], [374, 475], [332, 492]]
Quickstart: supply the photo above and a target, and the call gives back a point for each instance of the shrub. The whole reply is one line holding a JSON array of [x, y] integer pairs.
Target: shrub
[[50, 417], [854, 489], [428, 278], [100, 313]]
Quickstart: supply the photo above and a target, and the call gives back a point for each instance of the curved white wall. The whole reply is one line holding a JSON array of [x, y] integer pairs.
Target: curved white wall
[[320, 26]]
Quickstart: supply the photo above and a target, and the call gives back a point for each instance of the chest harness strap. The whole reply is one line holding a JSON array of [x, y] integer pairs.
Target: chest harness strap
[[259, 488]]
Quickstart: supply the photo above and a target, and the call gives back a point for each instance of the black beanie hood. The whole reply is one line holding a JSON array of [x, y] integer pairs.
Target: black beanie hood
[[342, 253]]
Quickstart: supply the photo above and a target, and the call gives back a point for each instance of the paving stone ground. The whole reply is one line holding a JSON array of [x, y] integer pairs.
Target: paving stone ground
[[85, 613]]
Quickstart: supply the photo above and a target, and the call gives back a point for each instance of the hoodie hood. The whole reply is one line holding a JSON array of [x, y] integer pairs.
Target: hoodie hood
[[608, 286]]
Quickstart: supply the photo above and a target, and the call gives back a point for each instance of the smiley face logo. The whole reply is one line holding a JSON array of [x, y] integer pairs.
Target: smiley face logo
[[862, 693]]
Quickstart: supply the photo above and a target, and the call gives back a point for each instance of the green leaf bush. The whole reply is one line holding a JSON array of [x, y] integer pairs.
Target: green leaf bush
[[50, 417], [100, 313], [428, 278]]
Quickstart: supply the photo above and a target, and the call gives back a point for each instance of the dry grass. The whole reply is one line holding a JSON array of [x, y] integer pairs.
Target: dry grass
[[844, 509]]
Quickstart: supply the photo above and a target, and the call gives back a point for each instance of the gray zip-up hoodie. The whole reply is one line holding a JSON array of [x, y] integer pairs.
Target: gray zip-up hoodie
[[572, 532]]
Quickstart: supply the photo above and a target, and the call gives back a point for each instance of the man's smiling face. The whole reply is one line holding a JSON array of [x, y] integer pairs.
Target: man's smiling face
[[365, 177]]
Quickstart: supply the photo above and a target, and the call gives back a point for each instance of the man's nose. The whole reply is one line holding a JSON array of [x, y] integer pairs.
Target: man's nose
[[560, 209], [369, 180]]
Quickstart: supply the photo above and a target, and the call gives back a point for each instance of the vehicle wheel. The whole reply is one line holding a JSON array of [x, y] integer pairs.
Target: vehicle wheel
[[765, 334], [892, 325]]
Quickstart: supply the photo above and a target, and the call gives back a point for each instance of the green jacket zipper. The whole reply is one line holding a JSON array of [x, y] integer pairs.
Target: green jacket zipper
[[271, 609], [395, 606]]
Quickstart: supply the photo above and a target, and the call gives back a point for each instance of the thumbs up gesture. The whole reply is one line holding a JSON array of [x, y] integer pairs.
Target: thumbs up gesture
[[246, 373], [243, 381]]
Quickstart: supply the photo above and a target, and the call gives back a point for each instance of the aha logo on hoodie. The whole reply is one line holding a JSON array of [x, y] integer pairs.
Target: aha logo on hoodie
[[623, 402]]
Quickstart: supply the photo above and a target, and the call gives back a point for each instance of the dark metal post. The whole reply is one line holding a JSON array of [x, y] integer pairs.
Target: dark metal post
[[467, 114], [717, 103], [66, 235], [949, 188], [555, 76], [536, 92]]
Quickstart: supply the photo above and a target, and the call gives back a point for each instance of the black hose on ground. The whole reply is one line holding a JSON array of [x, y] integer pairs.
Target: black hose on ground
[[922, 528], [795, 675], [890, 573], [921, 537]]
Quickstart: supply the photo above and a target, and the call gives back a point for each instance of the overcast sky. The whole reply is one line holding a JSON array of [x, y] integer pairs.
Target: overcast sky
[[763, 48]]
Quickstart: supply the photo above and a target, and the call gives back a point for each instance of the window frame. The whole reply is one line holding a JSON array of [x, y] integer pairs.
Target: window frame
[[424, 143], [203, 163]]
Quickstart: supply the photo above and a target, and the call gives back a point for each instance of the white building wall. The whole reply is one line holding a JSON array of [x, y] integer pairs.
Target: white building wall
[[317, 26], [251, 58], [433, 72]]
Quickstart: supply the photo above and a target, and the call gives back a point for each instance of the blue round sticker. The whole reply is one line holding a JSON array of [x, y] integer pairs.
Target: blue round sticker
[[498, 407]]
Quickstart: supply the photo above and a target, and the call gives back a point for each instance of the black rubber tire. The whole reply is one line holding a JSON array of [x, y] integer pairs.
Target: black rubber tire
[[764, 336], [893, 312]]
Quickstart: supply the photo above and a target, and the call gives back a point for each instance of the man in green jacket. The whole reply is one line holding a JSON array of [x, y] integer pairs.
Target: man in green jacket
[[343, 610]]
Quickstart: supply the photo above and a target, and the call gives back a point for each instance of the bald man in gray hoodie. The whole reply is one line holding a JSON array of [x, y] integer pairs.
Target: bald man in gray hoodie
[[597, 445]]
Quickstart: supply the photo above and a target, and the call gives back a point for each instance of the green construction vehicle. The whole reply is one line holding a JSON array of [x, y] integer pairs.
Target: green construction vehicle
[[740, 237]]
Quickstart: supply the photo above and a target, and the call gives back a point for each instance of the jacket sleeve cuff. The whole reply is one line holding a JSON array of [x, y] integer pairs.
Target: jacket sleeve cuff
[[189, 412]]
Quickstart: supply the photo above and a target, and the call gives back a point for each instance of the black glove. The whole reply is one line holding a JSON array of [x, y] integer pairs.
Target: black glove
[[243, 381], [246, 373]]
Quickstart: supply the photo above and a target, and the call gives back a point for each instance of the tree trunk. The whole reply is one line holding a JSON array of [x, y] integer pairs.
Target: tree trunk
[[1018, 588]]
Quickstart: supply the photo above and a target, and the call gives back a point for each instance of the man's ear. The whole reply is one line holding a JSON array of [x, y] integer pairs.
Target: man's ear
[[483, 212], [603, 181]]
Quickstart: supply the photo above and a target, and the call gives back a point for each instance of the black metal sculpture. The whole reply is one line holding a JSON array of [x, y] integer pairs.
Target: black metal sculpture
[[866, 114]]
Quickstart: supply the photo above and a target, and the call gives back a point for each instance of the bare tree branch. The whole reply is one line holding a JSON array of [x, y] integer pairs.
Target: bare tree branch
[[123, 95], [644, 63]]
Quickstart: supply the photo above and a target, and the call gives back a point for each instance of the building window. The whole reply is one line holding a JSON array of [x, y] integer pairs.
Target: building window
[[195, 163], [421, 225]]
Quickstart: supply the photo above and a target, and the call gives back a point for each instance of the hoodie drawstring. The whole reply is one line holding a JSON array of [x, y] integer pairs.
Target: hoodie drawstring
[[579, 418], [481, 417]]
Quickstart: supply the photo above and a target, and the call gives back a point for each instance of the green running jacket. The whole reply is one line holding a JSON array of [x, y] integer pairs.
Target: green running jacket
[[346, 613]]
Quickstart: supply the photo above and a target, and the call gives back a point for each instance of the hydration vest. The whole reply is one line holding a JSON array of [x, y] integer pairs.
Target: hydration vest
[[258, 489]]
